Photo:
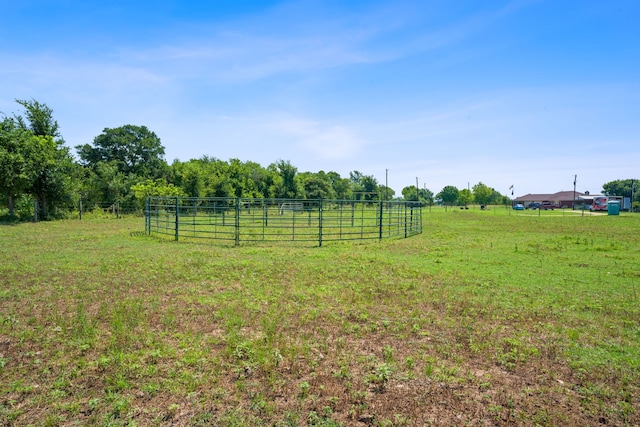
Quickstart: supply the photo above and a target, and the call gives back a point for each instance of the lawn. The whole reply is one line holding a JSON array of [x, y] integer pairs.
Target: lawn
[[486, 318]]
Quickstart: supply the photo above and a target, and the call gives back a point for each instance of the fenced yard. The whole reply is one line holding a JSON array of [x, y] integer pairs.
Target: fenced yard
[[239, 220]]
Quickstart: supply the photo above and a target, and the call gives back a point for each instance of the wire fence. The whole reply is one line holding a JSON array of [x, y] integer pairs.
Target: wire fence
[[238, 220], [107, 209]]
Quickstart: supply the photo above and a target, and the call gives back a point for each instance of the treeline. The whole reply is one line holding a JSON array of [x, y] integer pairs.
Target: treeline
[[124, 165], [127, 164]]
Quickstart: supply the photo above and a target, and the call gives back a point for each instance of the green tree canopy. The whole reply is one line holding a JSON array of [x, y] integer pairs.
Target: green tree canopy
[[263, 179], [317, 187], [341, 186], [386, 193], [142, 190], [482, 194], [39, 119], [134, 149], [289, 186], [448, 195], [365, 187], [409, 193], [619, 187], [423, 195], [465, 197], [426, 196], [23, 158], [54, 183]]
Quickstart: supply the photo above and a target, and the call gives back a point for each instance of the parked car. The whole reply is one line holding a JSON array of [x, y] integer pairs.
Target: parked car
[[547, 206], [518, 207], [533, 205]]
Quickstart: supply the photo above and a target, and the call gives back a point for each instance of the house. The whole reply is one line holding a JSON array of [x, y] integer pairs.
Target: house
[[561, 199]]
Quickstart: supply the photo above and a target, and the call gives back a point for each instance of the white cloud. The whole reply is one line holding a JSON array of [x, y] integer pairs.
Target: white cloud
[[322, 141]]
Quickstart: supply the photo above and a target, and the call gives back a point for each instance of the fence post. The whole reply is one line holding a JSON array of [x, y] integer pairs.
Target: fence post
[[237, 226], [80, 207], [411, 218], [405, 219], [147, 215], [380, 237], [177, 218], [320, 223], [265, 210]]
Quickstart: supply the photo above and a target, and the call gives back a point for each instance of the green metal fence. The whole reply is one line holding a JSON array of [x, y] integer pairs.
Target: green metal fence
[[237, 220]]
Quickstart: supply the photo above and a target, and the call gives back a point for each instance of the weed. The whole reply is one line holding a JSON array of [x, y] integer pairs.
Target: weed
[[172, 410], [381, 375], [304, 389], [10, 320], [314, 419], [409, 362], [291, 419], [343, 370], [387, 353]]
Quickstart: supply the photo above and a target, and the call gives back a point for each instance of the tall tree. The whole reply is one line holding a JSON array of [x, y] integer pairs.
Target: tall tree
[[317, 185], [134, 149], [263, 179], [370, 185], [410, 193], [53, 184], [23, 157], [40, 119], [465, 197], [289, 187], [341, 186], [448, 195], [58, 184], [365, 187], [482, 194], [424, 195]]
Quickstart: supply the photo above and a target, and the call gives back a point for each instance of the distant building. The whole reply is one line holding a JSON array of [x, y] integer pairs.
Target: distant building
[[561, 199]]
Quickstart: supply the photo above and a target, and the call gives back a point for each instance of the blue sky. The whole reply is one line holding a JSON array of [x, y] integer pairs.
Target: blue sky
[[522, 93]]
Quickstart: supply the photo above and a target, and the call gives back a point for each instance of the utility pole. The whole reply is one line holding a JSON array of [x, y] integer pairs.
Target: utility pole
[[417, 191], [386, 184], [575, 178]]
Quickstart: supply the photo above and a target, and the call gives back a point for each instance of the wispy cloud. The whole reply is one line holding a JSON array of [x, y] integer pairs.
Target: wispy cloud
[[241, 57], [246, 51], [321, 140]]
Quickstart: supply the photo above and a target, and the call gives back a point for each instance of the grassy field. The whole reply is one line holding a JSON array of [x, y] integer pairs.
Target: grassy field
[[487, 318]]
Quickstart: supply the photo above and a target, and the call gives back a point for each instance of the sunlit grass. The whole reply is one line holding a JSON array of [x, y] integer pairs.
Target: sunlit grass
[[499, 314]]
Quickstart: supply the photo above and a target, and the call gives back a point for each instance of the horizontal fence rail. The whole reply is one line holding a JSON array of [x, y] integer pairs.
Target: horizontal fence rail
[[115, 209], [239, 220]]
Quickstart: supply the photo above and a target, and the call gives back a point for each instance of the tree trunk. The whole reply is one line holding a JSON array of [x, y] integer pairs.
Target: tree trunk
[[11, 210]]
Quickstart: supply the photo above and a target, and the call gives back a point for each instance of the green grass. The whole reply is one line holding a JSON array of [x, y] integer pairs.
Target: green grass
[[487, 317]]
